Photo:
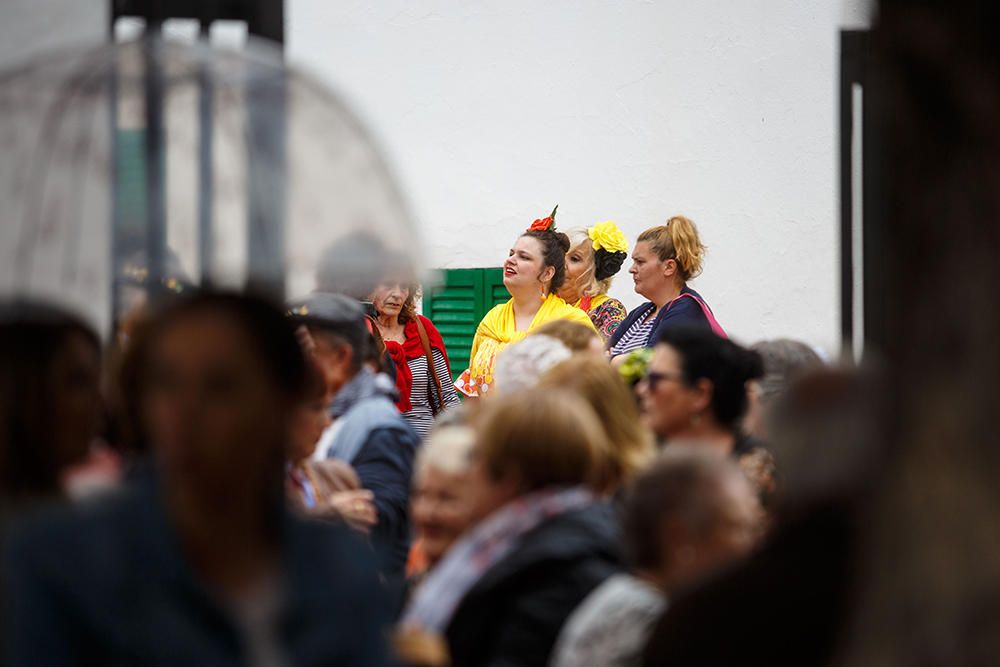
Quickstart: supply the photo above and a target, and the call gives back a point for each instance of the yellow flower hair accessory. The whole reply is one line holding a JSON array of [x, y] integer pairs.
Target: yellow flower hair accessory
[[607, 236]]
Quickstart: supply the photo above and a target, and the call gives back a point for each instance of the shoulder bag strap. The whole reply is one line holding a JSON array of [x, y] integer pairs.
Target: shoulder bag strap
[[707, 312], [431, 370]]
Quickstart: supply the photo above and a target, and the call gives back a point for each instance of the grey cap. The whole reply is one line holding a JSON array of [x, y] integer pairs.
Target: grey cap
[[336, 313]]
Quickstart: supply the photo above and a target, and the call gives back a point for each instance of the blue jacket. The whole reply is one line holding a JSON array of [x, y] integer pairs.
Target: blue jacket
[[683, 311], [108, 584], [378, 443]]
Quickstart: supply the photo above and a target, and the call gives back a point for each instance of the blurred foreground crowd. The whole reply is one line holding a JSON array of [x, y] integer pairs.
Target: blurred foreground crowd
[[234, 481]]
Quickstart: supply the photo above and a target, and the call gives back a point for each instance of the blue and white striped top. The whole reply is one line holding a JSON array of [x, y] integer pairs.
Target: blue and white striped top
[[635, 336]]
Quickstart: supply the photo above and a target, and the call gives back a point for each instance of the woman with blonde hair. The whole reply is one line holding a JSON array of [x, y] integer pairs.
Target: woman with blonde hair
[[595, 255], [664, 259], [629, 446]]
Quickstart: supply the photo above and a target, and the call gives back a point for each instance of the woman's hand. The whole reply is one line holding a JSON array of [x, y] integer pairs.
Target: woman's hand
[[356, 508]]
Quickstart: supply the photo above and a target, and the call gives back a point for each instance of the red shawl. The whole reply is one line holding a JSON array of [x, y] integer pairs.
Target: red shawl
[[411, 348]]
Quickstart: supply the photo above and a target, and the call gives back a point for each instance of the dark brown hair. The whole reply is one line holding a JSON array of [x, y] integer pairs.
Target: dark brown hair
[[31, 335], [555, 245]]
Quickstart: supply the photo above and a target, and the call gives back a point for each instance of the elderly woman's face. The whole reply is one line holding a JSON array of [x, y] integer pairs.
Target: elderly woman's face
[[390, 296], [439, 515], [579, 260]]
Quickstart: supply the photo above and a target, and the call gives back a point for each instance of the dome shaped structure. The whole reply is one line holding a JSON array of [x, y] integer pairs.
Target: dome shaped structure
[[240, 171]]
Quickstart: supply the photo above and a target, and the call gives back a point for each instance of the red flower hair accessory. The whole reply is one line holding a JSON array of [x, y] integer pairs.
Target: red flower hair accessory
[[545, 224]]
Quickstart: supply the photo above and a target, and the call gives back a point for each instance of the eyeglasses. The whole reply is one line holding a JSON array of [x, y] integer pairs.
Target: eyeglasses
[[653, 378]]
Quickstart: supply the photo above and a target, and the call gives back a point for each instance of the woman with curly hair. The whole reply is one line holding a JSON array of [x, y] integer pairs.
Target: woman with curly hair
[[596, 254], [423, 373]]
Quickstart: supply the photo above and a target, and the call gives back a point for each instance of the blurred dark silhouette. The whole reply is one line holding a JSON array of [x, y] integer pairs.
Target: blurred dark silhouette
[[197, 560], [369, 432], [801, 579], [899, 566], [50, 404], [687, 515], [930, 571]]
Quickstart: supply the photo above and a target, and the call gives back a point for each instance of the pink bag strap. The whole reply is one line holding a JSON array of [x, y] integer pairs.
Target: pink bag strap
[[712, 322]]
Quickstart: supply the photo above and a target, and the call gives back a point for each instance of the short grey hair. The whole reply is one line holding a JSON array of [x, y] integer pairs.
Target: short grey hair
[[447, 449], [522, 364]]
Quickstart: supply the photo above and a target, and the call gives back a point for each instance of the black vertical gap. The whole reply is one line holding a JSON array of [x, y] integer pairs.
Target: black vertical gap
[[853, 44], [156, 222], [206, 245], [113, 178]]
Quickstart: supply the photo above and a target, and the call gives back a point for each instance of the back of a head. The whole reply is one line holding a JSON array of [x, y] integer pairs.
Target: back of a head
[[681, 484], [31, 337], [727, 365], [824, 432], [784, 361], [520, 365], [353, 265], [678, 240], [543, 438], [575, 336], [629, 446]]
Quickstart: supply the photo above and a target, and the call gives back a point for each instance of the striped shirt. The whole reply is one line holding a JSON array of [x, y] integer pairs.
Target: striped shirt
[[635, 336], [421, 417]]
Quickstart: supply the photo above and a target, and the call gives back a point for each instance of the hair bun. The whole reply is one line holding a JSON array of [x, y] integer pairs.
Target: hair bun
[[607, 264], [750, 363], [563, 240]]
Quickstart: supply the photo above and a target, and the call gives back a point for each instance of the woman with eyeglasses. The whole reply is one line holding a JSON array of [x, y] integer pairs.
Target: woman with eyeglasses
[[695, 392]]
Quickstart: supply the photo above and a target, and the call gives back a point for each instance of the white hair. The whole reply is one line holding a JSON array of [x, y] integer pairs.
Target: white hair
[[447, 449], [521, 365]]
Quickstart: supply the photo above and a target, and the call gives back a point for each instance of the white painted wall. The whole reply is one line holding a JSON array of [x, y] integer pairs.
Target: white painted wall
[[630, 110]]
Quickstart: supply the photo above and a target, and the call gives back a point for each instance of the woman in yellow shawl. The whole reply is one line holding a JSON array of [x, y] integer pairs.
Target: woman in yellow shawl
[[533, 273]]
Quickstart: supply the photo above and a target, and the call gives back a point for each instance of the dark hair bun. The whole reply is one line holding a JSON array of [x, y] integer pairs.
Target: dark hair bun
[[563, 241], [607, 264]]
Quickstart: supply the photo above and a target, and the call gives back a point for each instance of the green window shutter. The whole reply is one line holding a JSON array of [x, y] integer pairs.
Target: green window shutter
[[456, 305], [496, 293]]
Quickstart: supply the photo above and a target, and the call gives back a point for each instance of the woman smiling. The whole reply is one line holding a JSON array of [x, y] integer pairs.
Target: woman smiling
[[534, 271]]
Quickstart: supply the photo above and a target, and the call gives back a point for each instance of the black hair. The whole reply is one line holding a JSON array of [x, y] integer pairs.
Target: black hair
[[607, 263], [271, 334], [31, 335], [728, 366], [555, 245]]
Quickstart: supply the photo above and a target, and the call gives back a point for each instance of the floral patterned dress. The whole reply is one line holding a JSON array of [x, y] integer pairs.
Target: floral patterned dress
[[606, 313]]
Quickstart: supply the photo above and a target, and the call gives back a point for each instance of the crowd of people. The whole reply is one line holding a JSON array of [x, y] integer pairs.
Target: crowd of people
[[243, 482]]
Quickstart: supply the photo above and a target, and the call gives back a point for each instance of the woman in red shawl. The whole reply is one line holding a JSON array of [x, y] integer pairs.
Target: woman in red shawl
[[416, 347]]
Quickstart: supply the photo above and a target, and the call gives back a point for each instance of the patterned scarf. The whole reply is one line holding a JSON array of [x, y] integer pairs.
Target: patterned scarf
[[482, 548]]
